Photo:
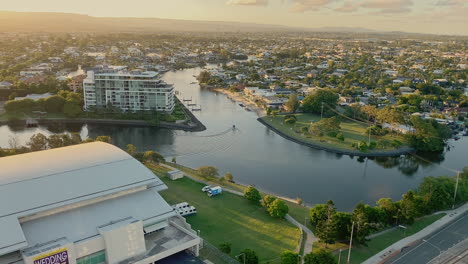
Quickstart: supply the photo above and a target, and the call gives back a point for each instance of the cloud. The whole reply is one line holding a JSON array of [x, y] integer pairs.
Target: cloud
[[389, 6], [309, 5], [348, 6], [248, 2]]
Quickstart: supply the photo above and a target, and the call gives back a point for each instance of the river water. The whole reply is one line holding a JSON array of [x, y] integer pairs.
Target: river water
[[255, 155]]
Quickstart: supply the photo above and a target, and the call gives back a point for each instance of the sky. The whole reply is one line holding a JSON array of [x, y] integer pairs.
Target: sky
[[422, 16]]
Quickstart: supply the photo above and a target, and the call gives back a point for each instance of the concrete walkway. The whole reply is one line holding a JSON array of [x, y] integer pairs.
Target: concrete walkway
[[310, 237], [397, 246]]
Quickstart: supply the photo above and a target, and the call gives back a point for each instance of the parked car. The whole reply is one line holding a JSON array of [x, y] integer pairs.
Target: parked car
[[206, 188]]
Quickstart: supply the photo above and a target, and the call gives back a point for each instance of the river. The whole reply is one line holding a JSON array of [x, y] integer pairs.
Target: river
[[257, 156]]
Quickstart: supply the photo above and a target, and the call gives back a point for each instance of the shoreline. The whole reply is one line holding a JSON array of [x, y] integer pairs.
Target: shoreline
[[238, 98], [391, 153], [190, 125]]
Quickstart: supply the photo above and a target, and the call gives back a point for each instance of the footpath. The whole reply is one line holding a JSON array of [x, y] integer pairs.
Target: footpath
[[395, 248], [310, 237]]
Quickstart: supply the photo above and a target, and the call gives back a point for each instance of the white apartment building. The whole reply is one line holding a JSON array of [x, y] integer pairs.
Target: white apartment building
[[86, 204], [127, 90]]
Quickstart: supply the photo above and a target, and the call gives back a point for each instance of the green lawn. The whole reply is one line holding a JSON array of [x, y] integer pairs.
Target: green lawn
[[231, 218], [377, 244], [353, 132]]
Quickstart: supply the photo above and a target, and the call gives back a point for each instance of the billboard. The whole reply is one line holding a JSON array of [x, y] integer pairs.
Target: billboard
[[59, 256]]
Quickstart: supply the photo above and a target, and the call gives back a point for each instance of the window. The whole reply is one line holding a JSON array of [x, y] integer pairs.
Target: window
[[96, 258]]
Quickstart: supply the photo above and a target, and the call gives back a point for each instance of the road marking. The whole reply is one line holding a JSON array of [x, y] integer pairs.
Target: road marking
[[442, 229]]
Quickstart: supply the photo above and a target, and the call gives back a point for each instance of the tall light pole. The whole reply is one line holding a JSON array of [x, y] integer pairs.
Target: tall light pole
[[339, 257], [241, 255], [456, 189], [350, 243], [440, 251]]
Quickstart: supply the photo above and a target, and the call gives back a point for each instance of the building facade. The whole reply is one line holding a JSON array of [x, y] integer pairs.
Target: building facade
[[86, 204], [129, 91]]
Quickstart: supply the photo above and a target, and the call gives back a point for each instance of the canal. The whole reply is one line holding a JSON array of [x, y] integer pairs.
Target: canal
[[257, 156]]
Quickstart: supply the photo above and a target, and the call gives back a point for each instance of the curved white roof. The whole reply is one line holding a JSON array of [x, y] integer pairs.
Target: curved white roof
[[43, 180]]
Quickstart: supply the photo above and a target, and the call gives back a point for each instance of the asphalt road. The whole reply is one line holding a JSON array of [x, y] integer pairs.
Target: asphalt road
[[441, 240]]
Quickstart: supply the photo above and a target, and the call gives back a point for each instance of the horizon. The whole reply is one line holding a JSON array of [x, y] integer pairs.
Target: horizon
[[383, 15]]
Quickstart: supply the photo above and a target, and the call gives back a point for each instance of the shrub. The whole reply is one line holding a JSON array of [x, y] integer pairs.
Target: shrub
[[225, 248], [208, 171], [362, 146], [372, 145], [340, 137], [252, 194]]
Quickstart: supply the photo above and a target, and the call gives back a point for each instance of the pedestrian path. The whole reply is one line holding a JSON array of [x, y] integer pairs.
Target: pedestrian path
[[450, 216]]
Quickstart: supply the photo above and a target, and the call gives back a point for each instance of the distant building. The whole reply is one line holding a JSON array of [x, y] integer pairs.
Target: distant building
[[127, 90], [89, 203], [5, 85]]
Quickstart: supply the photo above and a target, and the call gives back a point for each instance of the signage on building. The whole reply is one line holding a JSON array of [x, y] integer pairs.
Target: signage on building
[[59, 256]]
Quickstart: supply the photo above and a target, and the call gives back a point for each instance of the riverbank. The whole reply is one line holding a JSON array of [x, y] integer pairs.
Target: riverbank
[[319, 146], [233, 96], [192, 124]]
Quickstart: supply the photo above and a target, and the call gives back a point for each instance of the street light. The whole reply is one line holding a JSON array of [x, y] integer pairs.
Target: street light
[[241, 255], [456, 188], [440, 251]]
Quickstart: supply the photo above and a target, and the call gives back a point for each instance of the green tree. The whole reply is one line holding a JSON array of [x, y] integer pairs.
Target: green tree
[[326, 229], [204, 76], [37, 142], [267, 200], [228, 177], [153, 156], [321, 256], [131, 149], [289, 257], [361, 224], [248, 255], [225, 247], [208, 171], [105, 139], [252, 194], [75, 138], [292, 104], [54, 104], [278, 208], [55, 141], [313, 102], [71, 109]]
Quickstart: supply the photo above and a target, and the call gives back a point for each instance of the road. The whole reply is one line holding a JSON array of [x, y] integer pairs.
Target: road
[[439, 241]]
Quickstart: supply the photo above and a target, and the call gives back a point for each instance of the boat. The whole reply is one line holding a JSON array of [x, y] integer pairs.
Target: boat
[[193, 83], [456, 138], [248, 109], [241, 105]]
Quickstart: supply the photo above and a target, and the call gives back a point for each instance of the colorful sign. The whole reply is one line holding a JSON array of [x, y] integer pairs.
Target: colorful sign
[[59, 256]]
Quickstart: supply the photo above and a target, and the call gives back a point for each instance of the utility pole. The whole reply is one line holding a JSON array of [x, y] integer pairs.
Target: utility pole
[[456, 189], [350, 243], [321, 113], [369, 135], [339, 257]]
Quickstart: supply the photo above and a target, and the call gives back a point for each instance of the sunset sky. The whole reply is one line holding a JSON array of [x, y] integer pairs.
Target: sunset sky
[[426, 16]]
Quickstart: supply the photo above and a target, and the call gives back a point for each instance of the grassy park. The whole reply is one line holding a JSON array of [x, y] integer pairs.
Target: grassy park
[[377, 244], [353, 132], [233, 219]]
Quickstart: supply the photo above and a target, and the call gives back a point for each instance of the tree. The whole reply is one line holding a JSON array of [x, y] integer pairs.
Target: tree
[[208, 171], [249, 256], [313, 102], [54, 104], [289, 257], [321, 256], [131, 149], [228, 177], [174, 160], [292, 104], [317, 214], [326, 229], [105, 139], [204, 76], [429, 136], [37, 142], [225, 247], [329, 126], [267, 200], [55, 141], [252, 194], [278, 208], [361, 224], [389, 209], [153, 156], [71, 109]]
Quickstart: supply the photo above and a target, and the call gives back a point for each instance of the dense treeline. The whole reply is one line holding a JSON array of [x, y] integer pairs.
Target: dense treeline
[[433, 194]]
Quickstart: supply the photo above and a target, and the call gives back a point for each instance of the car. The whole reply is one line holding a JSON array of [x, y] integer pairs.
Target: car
[[206, 188]]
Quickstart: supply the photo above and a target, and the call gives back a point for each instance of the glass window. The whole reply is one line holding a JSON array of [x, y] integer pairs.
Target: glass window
[[96, 258]]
